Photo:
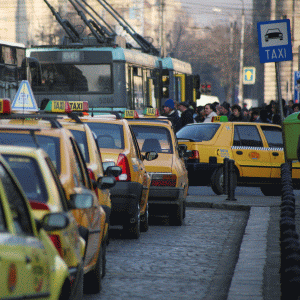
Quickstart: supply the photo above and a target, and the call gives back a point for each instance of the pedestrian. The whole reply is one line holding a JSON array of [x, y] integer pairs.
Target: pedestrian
[[209, 111], [186, 113], [296, 107], [172, 114], [236, 115], [225, 109], [200, 114]]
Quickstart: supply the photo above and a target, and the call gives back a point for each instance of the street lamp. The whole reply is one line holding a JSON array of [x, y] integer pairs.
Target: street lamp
[[241, 86]]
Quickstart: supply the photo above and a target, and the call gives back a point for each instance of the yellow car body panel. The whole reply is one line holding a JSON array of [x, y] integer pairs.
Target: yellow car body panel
[[169, 183], [73, 176], [256, 148], [72, 244], [140, 179], [30, 265], [94, 163]]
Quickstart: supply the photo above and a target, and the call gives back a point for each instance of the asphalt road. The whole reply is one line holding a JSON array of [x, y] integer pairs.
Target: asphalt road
[[192, 261]]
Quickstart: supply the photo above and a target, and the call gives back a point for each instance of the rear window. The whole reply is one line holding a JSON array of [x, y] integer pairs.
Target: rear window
[[81, 140], [273, 136], [29, 175], [153, 138], [108, 135], [198, 132], [50, 144]]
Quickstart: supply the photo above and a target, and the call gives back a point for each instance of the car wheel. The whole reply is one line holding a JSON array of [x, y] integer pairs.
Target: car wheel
[[271, 190], [145, 220], [217, 181], [78, 294], [184, 209], [92, 279], [133, 230], [176, 216], [103, 258]]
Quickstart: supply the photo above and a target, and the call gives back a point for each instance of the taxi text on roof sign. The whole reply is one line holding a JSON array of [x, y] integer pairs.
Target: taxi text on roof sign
[[24, 99], [131, 114], [79, 105], [153, 112], [57, 106], [219, 119]]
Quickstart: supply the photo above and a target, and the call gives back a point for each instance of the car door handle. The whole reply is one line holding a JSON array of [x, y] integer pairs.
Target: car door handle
[[275, 153], [239, 152]]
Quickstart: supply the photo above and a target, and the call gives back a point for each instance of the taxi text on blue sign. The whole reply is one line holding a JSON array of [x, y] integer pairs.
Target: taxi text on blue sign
[[274, 40]]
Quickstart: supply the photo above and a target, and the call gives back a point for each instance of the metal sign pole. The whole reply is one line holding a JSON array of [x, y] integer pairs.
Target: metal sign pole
[[278, 81]]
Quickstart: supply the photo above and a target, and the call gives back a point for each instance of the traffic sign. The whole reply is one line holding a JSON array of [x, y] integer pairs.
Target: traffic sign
[[24, 99], [296, 86], [249, 75], [274, 40]]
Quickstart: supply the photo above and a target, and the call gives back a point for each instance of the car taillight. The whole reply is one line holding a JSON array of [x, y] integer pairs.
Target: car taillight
[[123, 163], [93, 178], [56, 241], [163, 180], [38, 205], [195, 155]]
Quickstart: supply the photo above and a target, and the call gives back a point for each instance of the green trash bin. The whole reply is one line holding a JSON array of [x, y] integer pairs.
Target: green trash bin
[[291, 128]]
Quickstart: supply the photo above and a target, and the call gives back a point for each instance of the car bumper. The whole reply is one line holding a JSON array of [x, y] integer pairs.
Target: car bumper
[[75, 276], [200, 173], [165, 195], [124, 199]]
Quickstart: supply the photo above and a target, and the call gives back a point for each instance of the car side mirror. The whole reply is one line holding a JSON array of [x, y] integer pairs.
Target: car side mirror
[[182, 148], [106, 182], [81, 200], [107, 164], [151, 155], [55, 221], [113, 171]]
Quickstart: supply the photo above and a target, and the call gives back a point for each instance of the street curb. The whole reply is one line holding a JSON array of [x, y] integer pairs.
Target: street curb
[[228, 206]]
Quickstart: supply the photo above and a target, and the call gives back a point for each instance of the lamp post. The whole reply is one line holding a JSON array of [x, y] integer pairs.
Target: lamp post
[[241, 86]]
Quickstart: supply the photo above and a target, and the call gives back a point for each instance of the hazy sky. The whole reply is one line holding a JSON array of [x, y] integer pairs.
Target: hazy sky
[[207, 13]]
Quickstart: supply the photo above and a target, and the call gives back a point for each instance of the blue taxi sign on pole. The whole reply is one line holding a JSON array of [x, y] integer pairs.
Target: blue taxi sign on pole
[[24, 99], [274, 40]]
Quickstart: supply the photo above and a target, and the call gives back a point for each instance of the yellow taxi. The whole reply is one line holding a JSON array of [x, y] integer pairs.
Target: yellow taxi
[[40, 182], [31, 267], [119, 147], [256, 148], [87, 142], [46, 132], [169, 179]]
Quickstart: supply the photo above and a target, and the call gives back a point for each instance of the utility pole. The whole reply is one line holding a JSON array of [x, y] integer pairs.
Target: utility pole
[[241, 86], [162, 40]]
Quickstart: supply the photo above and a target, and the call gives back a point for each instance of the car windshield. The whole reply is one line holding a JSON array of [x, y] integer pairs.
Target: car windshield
[[80, 137], [29, 175], [50, 144], [153, 138], [108, 135], [198, 132]]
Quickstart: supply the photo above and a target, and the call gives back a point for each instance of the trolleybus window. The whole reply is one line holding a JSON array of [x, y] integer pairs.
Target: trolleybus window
[[76, 78]]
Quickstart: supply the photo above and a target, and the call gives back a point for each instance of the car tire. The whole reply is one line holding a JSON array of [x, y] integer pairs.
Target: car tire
[[78, 294], [133, 230], [176, 216], [217, 181], [93, 279], [104, 244], [271, 190], [145, 220]]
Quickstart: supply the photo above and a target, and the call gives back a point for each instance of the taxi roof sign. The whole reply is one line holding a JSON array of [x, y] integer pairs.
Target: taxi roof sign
[[79, 105], [24, 100], [131, 114], [151, 112], [219, 119], [5, 107], [58, 106]]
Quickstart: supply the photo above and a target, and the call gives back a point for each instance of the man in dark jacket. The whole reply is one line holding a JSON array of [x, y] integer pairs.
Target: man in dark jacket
[[172, 114], [186, 113]]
